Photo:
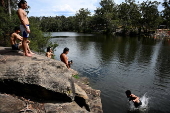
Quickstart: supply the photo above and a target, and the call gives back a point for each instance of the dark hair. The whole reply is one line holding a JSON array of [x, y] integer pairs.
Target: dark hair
[[128, 93], [21, 2], [16, 28], [65, 50], [48, 49]]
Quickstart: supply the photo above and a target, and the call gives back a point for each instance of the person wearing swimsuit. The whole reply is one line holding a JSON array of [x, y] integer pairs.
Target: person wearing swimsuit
[[24, 27], [133, 98]]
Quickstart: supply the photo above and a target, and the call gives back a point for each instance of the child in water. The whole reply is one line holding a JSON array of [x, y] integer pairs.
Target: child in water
[[133, 98], [49, 52]]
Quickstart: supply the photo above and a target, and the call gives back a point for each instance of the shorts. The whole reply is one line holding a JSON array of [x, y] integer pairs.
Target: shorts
[[137, 104], [24, 31], [15, 47]]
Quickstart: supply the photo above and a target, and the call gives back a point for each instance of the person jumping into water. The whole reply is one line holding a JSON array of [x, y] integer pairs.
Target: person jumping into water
[[134, 98]]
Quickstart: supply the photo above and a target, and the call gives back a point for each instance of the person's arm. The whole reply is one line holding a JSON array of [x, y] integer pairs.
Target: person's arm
[[48, 54], [18, 37], [136, 98], [21, 17]]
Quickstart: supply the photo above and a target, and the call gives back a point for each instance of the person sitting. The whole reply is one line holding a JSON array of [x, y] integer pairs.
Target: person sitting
[[13, 40], [133, 98], [64, 57], [49, 52]]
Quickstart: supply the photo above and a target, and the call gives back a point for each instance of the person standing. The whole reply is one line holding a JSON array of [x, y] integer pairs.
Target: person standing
[[24, 27]]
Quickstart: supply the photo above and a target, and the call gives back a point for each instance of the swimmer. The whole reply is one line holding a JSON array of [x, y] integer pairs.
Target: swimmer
[[133, 98]]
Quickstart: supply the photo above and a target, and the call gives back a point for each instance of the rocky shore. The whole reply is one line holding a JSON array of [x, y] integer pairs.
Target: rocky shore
[[41, 85]]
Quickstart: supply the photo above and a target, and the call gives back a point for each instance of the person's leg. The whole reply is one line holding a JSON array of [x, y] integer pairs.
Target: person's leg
[[29, 50], [20, 46], [25, 47], [25, 40]]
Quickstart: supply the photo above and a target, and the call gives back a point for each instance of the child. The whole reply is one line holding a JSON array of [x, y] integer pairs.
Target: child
[[49, 52], [133, 98]]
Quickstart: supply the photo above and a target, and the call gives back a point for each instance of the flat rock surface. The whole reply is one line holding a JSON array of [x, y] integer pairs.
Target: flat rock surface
[[44, 85]]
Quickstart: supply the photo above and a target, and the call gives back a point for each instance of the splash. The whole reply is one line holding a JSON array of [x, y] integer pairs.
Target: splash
[[144, 107]]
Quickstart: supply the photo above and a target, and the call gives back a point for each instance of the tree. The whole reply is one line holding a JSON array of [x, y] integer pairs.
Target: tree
[[7, 25], [166, 12], [129, 15], [150, 14], [106, 16], [9, 8], [82, 19]]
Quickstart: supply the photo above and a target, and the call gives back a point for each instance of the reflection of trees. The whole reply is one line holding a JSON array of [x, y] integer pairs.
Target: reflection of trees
[[125, 49], [103, 45], [108, 46], [162, 70], [83, 43]]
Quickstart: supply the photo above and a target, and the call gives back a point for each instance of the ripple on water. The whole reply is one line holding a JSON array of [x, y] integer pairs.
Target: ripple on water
[[116, 64]]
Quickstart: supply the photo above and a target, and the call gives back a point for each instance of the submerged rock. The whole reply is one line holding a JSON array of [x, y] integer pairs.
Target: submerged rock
[[43, 82]]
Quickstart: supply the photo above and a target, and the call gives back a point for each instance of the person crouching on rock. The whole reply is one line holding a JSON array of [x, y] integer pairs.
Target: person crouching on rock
[[13, 39], [49, 52], [133, 98], [64, 57]]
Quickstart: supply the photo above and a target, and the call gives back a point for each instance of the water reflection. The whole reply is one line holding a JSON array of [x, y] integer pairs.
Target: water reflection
[[115, 64]]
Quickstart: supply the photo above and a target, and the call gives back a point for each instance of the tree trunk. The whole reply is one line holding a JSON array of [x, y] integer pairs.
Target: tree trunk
[[9, 8]]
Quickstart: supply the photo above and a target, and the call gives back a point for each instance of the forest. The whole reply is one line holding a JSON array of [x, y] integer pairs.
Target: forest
[[128, 18]]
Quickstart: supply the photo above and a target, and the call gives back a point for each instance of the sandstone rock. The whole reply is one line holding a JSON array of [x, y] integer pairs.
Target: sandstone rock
[[47, 83], [9, 104], [80, 92]]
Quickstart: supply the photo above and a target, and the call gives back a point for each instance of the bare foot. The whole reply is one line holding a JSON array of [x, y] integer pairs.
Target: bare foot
[[28, 55], [32, 53]]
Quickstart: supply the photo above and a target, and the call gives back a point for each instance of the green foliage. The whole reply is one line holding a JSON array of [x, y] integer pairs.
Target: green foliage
[[107, 15], [58, 23], [10, 20], [129, 13], [82, 20], [76, 76], [166, 12], [38, 41], [150, 14], [129, 16]]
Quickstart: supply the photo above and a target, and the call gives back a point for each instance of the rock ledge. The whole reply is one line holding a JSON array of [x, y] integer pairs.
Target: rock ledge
[[41, 85]]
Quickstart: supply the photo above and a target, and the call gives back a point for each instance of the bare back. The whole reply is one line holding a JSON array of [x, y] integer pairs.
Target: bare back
[[64, 58], [14, 37]]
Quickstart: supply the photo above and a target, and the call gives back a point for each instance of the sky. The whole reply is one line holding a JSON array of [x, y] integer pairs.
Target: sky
[[66, 7]]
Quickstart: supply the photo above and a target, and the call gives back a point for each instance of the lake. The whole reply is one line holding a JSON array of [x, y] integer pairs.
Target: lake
[[115, 64]]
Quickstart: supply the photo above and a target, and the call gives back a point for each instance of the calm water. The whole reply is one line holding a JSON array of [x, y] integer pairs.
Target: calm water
[[115, 64]]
